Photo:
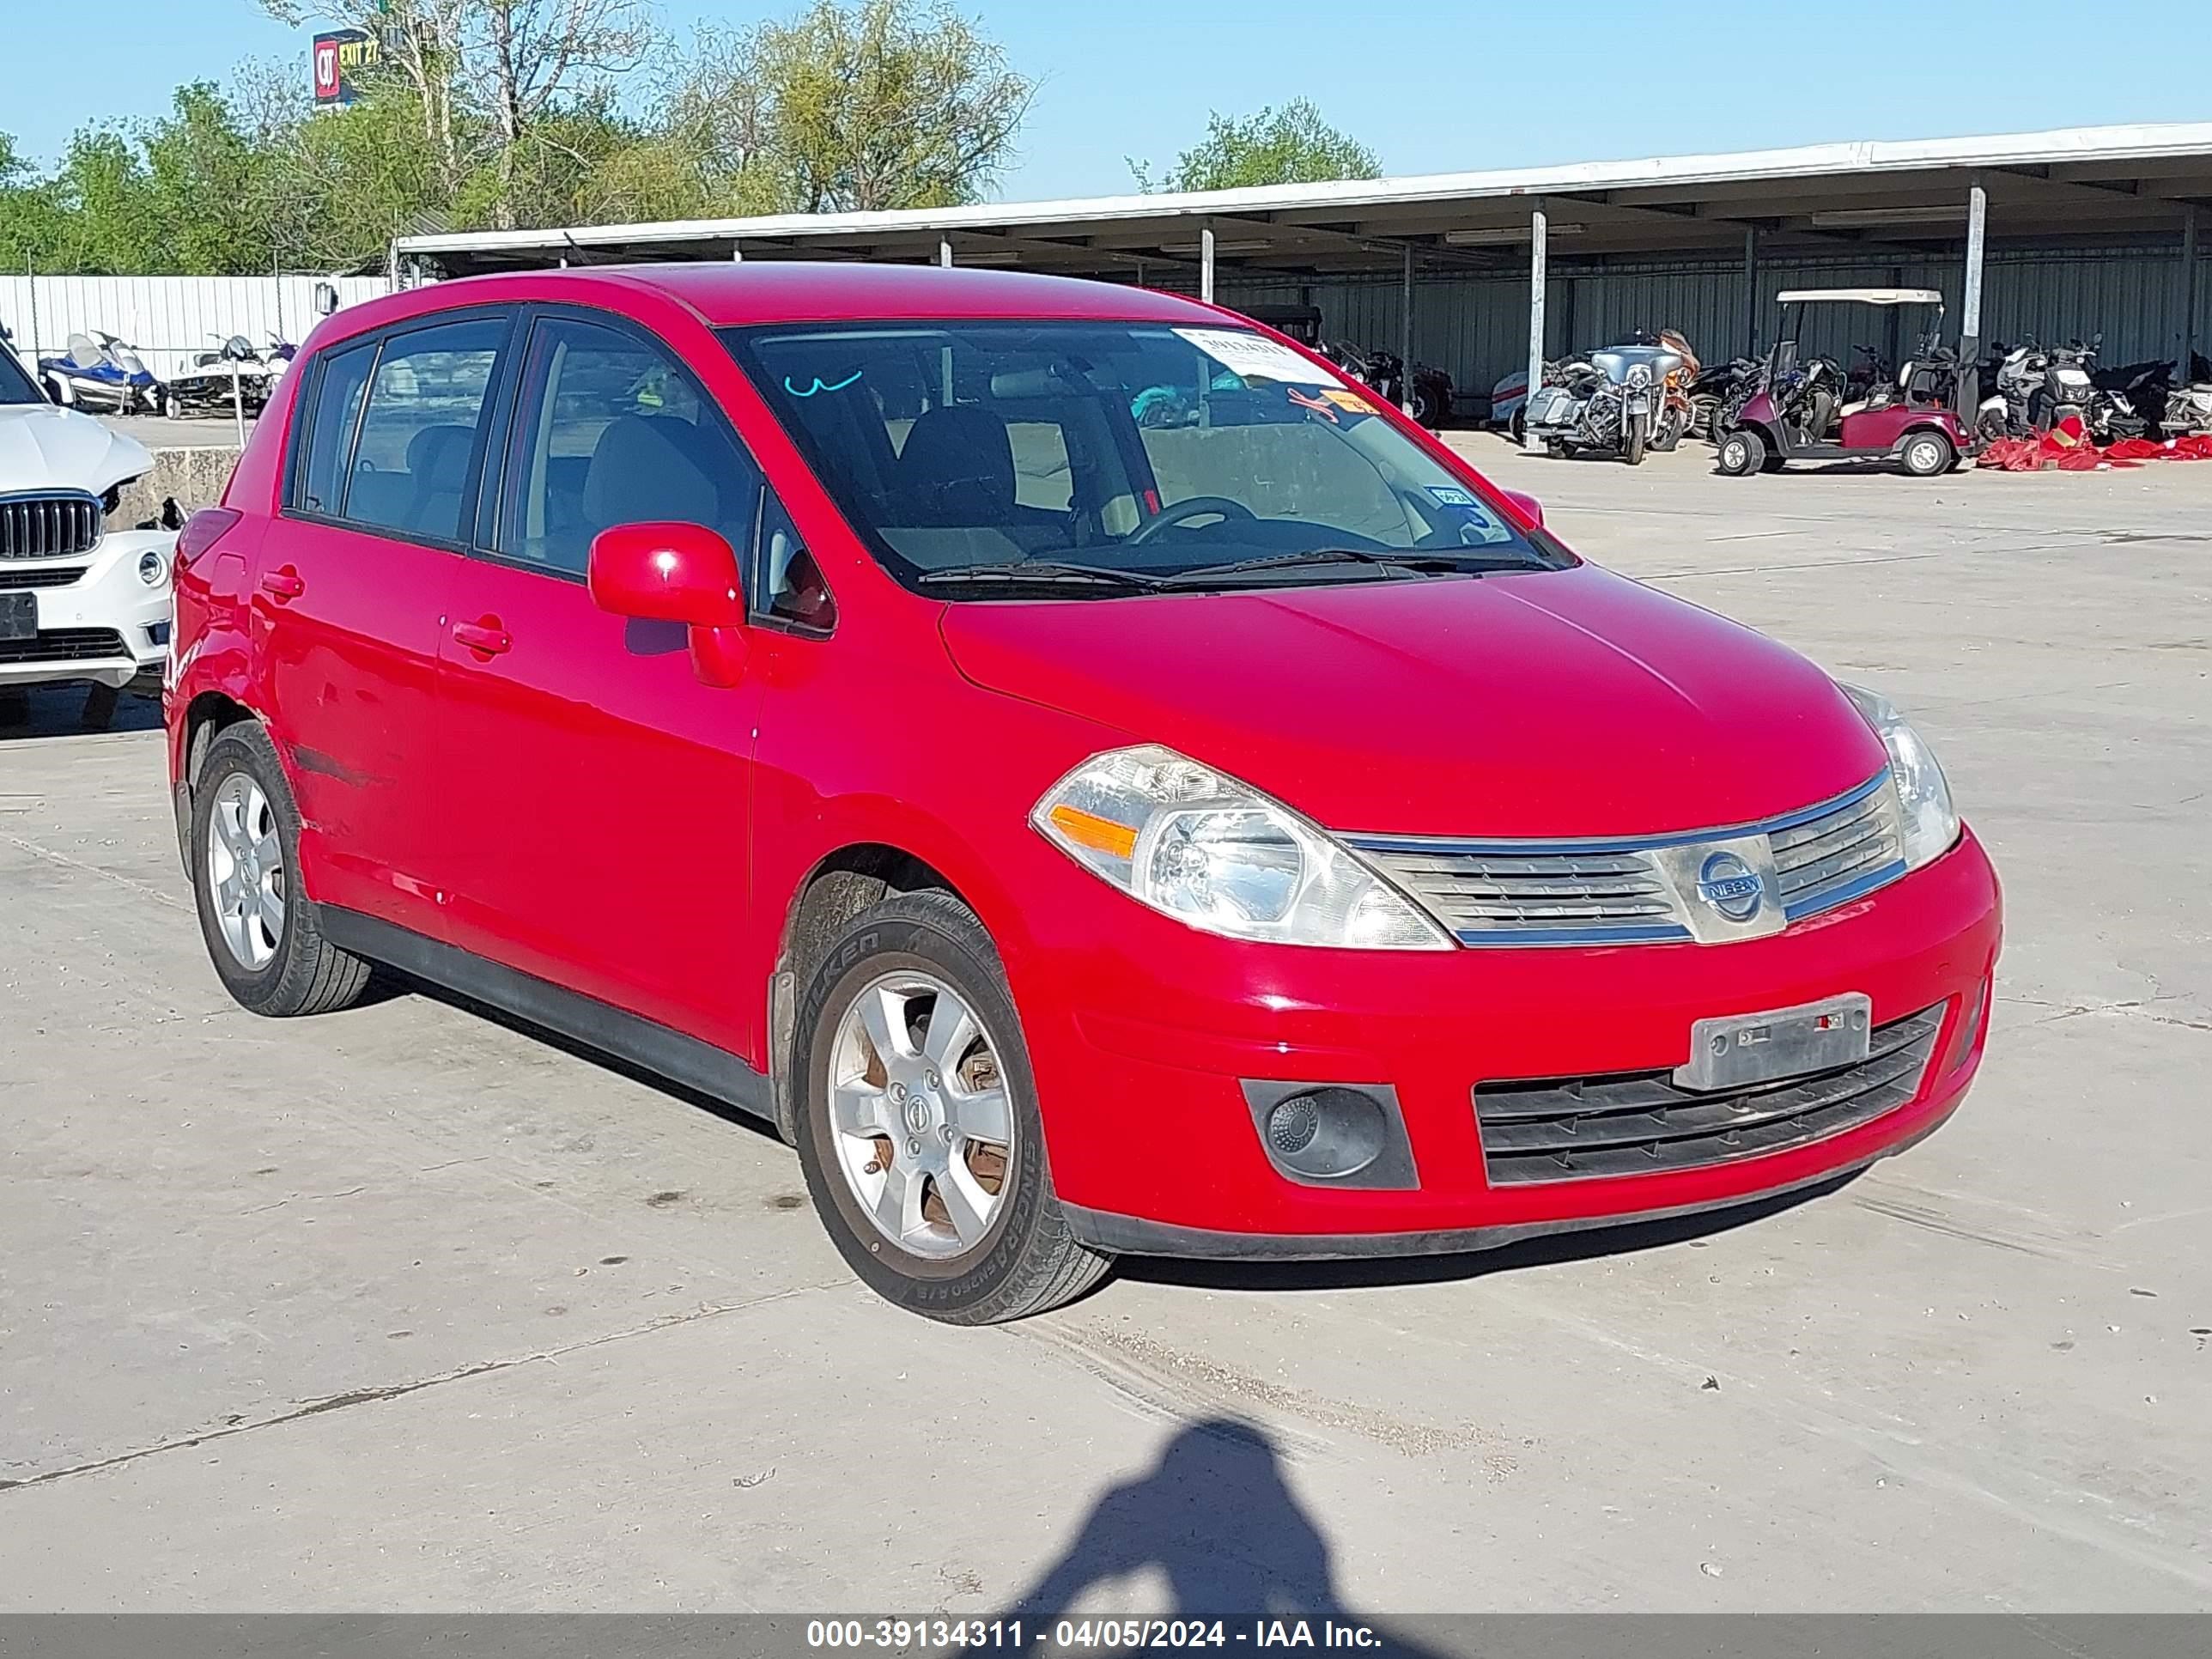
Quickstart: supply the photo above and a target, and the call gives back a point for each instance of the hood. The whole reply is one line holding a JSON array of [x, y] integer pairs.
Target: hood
[[45, 446], [1569, 702]]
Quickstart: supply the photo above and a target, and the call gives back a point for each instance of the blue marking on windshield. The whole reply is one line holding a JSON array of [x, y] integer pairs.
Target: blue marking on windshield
[[820, 385]]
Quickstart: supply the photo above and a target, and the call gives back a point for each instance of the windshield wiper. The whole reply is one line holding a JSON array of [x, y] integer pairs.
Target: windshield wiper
[[1422, 564], [1039, 573]]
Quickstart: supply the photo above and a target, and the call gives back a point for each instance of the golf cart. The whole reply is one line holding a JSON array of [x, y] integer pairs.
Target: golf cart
[[1798, 412]]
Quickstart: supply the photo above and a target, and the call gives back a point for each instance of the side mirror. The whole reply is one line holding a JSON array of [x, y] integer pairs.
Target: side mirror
[[675, 573], [1527, 505]]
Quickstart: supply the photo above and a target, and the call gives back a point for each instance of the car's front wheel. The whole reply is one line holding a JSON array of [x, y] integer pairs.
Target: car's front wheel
[[918, 1124], [262, 931]]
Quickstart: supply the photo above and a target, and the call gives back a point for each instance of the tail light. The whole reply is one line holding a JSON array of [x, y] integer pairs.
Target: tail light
[[203, 531]]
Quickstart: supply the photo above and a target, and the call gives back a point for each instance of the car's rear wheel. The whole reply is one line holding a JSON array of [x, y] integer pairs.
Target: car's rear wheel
[[262, 931], [918, 1124]]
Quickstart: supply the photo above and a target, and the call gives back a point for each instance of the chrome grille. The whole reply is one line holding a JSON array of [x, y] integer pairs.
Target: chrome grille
[[55, 526], [1533, 898], [1634, 1122], [1643, 889], [1846, 851]]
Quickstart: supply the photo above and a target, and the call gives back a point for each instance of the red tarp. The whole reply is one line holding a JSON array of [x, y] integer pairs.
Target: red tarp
[[2066, 448]]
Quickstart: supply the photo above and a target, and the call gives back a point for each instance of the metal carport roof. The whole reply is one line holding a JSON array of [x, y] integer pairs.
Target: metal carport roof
[[2104, 183]]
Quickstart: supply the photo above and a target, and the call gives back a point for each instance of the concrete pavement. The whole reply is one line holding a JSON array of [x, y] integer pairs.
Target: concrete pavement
[[402, 1309]]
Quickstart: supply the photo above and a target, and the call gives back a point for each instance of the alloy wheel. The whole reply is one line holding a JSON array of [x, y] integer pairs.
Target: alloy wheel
[[920, 1123], [246, 871]]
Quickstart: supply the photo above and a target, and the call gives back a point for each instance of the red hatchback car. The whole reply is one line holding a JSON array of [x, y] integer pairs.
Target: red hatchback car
[[1094, 779]]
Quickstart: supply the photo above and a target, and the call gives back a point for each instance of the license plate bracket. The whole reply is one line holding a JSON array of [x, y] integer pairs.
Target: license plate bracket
[[1733, 1051], [18, 615]]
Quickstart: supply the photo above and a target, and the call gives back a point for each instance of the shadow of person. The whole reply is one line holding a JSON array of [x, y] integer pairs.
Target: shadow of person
[[1215, 1518]]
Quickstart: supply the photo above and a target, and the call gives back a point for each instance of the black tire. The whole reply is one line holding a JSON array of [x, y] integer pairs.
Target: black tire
[[1706, 417], [1639, 434], [173, 406], [1741, 452], [1926, 454], [1518, 426], [1671, 427], [1027, 1263], [308, 974]]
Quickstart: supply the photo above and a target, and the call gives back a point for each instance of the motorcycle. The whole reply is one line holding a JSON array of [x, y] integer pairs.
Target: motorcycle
[[2189, 408], [1385, 371], [1612, 404], [98, 370], [235, 377], [2067, 387], [1713, 389], [2014, 376]]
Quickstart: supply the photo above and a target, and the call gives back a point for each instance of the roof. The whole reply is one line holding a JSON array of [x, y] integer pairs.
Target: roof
[[784, 291], [723, 295], [2089, 180]]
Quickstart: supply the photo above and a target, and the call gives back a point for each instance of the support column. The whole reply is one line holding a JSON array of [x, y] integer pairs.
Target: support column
[[1205, 263], [1536, 230], [2188, 293], [945, 251], [1969, 310], [1406, 335], [1751, 290], [737, 252]]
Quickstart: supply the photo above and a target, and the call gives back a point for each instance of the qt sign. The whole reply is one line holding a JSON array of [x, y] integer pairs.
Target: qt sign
[[338, 53]]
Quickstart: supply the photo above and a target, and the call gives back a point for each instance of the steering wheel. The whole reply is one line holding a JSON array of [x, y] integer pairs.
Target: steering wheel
[[1197, 507]]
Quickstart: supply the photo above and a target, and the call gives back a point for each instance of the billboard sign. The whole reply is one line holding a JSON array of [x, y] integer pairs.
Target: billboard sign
[[338, 54]]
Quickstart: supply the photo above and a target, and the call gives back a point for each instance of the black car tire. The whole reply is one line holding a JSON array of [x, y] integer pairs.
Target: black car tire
[[308, 974], [1027, 1261], [1926, 454], [1741, 452]]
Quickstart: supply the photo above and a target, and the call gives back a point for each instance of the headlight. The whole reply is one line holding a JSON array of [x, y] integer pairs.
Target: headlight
[[1639, 374], [1220, 856], [1928, 823]]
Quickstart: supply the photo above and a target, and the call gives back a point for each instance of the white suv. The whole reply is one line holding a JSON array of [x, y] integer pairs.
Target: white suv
[[82, 597]]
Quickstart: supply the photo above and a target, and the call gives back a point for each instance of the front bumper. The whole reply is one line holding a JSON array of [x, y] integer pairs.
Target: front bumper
[[107, 625], [1142, 1067]]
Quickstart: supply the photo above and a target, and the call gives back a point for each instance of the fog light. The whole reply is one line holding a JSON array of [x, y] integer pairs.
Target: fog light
[[151, 568], [1327, 1134], [1292, 1125]]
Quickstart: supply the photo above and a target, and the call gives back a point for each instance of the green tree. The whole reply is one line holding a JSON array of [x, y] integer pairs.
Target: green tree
[[1292, 145], [883, 104]]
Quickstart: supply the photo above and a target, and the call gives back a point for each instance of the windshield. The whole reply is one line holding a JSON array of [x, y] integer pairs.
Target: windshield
[[994, 450], [16, 386]]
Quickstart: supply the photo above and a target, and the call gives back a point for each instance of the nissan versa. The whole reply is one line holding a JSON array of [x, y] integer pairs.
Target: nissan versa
[[1093, 778]]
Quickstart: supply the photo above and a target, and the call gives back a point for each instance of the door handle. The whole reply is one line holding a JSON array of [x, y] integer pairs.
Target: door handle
[[485, 636], [283, 583]]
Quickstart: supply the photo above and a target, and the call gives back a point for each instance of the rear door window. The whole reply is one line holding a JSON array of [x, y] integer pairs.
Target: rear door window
[[335, 406], [413, 464]]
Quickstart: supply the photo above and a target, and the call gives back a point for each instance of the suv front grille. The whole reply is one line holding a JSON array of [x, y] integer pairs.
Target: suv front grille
[[40, 575], [1601, 892], [65, 644], [1635, 1122], [49, 526]]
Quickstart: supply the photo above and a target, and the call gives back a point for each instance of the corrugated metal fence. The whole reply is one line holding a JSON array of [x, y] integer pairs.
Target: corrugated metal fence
[[1476, 327], [169, 319]]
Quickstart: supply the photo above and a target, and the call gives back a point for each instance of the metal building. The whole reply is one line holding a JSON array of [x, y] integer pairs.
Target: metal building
[[2055, 234]]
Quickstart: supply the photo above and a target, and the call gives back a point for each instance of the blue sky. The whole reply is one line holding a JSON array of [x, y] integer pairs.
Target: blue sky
[[1431, 88]]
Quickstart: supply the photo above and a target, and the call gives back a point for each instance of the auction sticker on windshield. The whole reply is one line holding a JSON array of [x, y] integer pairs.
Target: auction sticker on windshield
[[1256, 358]]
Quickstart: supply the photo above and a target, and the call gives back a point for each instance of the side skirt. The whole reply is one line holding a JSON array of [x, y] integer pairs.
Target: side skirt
[[643, 1042]]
